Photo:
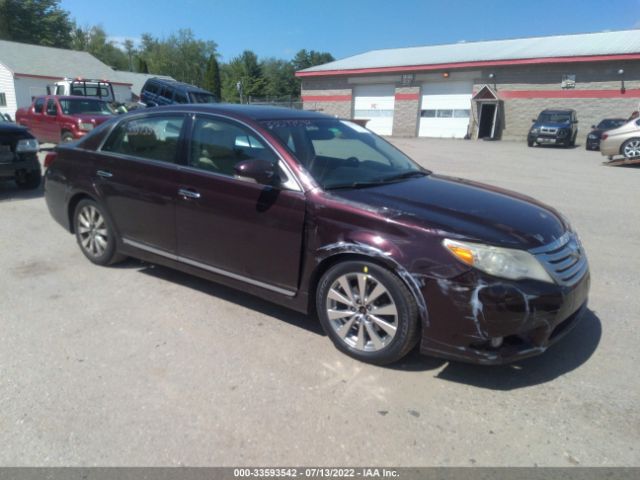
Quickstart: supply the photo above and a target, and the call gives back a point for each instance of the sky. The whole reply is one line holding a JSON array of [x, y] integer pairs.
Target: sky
[[279, 28]]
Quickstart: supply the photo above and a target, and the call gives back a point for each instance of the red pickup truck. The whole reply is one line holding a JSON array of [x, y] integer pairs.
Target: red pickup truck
[[58, 119]]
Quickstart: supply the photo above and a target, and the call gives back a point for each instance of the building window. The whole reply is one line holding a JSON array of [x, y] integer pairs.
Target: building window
[[3, 100]]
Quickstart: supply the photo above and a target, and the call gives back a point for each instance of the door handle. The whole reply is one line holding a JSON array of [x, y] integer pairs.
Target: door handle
[[188, 193], [104, 174]]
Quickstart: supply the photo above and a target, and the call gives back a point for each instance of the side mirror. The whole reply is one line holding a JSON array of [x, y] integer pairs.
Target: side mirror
[[534, 120], [260, 171], [593, 126], [575, 121]]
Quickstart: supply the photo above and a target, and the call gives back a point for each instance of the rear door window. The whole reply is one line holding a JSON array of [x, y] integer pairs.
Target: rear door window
[[180, 97], [153, 138]]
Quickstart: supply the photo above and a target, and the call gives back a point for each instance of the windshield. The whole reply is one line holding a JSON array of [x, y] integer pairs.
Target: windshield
[[199, 97], [554, 117], [341, 154], [74, 106], [609, 123]]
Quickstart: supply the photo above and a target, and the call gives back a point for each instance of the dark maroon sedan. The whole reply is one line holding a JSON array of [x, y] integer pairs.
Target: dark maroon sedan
[[321, 215]]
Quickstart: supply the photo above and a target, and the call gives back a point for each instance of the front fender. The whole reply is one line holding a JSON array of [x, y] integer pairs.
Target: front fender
[[362, 249]]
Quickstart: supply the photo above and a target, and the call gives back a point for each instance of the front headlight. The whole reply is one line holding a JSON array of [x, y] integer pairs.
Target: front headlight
[[27, 145], [501, 262], [534, 131]]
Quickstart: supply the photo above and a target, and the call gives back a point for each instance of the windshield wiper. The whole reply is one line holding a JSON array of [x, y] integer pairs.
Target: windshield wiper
[[405, 175], [355, 185]]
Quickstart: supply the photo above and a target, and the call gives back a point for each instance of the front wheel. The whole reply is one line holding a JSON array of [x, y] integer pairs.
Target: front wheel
[[631, 148], [67, 137], [94, 233], [368, 312]]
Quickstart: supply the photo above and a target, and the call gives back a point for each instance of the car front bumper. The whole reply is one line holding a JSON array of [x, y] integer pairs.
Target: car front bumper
[[523, 318], [593, 144]]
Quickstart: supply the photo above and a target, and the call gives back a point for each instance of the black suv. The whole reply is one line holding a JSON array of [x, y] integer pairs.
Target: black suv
[[554, 127], [158, 92], [19, 156]]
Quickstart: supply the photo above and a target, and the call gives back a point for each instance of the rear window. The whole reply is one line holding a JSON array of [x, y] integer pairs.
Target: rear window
[[75, 106]]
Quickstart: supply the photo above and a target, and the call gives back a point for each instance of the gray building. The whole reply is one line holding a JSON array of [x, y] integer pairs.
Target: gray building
[[26, 70], [481, 89]]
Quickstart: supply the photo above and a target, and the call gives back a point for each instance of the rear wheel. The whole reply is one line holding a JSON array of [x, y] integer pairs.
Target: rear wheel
[[631, 148], [368, 312], [28, 179], [94, 233]]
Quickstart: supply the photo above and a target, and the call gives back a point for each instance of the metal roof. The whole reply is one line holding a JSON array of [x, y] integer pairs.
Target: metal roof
[[53, 62], [587, 44]]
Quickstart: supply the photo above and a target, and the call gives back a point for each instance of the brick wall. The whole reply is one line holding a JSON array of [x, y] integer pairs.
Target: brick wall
[[406, 112], [515, 113]]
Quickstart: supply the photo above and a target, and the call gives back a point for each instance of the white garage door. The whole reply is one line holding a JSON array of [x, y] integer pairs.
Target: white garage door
[[375, 103], [445, 109]]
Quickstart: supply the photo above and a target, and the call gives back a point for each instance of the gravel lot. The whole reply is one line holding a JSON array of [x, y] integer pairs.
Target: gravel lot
[[140, 365]]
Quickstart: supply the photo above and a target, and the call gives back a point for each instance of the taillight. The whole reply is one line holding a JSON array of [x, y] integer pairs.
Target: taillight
[[48, 160], [604, 136]]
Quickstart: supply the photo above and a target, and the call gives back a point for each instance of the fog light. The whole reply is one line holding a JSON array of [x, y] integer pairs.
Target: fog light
[[496, 341]]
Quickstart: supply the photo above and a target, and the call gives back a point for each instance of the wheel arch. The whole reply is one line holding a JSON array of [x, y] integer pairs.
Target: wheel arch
[[621, 149], [75, 199], [333, 254]]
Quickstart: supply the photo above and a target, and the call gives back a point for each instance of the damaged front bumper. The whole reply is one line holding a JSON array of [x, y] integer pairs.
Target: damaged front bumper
[[480, 319]]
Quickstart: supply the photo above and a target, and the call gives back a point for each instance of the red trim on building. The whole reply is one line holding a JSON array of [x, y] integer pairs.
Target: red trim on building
[[509, 94], [407, 96], [326, 98], [47, 77], [28, 75], [490, 63]]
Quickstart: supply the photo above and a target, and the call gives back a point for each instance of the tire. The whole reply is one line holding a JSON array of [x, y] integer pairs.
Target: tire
[[530, 143], [572, 143], [67, 137], [95, 234], [353, 325], [631, 148], [28, 180]]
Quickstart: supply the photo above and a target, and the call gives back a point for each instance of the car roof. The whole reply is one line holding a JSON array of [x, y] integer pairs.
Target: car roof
[[176, 84], [253, 112]]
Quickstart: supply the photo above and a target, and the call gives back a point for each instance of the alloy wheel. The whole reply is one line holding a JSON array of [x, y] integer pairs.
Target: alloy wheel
[[92, 231], [362, 312], [632, 149]]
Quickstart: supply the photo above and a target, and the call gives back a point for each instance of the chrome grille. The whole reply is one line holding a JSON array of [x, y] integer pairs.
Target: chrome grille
[[549, 130], [564, 259]]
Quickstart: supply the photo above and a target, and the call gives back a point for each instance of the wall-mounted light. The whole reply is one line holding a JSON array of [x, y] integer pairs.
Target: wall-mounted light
[[492, 75], [621, 73], [445, 74]]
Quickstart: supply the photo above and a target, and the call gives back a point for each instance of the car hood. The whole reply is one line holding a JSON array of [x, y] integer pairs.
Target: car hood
[[552, 125], [465, 209], [90, 118], [7, 128]]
